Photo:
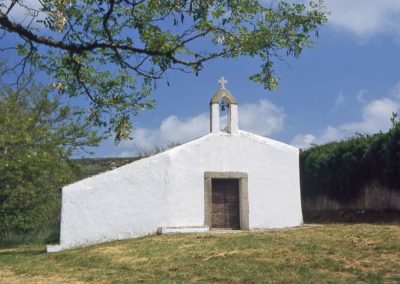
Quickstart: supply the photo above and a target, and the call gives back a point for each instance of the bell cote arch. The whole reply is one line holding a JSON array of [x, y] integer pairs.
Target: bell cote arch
[[229, 103]]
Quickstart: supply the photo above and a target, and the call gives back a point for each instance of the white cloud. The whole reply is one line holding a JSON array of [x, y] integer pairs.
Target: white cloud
[[340, 99], [365, 18], [263, 118], [303, 140], [361, 96], [375, 117], [329, 134], [171, 130]]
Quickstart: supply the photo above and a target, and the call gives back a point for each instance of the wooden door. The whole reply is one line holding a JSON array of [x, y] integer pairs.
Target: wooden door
[[225, 204]]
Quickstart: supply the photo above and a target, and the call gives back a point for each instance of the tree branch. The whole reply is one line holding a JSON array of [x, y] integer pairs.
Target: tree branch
[[73, 48]]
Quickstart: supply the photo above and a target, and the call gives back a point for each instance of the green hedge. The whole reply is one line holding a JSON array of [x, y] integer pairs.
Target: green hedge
[[340, 170]]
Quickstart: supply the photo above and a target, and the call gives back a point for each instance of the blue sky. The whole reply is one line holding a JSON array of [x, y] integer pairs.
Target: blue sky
[[348, 83]]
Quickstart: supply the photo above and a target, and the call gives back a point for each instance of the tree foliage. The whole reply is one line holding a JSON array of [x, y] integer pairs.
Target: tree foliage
[[37, 136], [112, 51], [340, 170]]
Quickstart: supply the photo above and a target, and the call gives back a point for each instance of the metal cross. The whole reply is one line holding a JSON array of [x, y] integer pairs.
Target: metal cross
[[222, 82]]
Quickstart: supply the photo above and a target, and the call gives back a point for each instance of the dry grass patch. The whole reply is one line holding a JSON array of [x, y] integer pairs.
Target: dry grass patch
[[330, 253], [8, 276]]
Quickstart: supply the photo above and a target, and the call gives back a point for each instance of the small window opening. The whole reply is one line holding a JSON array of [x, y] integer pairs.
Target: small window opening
[[223, 115]]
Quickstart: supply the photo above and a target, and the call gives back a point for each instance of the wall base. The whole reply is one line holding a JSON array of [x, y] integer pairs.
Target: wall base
[[55, 248], [174, 230]]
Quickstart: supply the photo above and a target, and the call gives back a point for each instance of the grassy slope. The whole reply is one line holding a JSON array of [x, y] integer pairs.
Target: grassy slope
[[329, 253]]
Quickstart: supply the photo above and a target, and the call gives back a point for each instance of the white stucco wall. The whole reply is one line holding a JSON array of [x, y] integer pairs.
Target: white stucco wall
[[168, 189]]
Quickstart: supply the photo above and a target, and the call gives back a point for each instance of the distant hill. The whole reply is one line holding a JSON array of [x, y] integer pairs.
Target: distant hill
[[87, 167]]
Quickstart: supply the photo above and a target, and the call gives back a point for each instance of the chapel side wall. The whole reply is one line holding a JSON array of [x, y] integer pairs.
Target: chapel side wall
[[124, 203]]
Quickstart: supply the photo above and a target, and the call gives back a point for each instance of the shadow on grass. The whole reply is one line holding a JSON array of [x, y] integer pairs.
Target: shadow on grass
[[23, 250]]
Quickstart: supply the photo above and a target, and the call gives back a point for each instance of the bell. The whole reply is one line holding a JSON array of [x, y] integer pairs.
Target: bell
[[223, 107]]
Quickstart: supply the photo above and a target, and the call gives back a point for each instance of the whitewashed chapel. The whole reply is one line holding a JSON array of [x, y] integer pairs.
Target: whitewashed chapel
[[228, 179]]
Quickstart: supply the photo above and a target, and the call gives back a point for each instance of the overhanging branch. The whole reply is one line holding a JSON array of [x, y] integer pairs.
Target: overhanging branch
[[74, 48]]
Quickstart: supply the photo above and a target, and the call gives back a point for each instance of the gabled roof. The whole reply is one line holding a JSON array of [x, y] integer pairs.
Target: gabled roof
[[244, 134]]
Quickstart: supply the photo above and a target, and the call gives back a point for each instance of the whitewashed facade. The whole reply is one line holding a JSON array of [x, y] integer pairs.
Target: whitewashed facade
[[175, 188]]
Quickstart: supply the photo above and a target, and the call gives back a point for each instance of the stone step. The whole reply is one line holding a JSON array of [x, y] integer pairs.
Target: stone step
[[188, 229]]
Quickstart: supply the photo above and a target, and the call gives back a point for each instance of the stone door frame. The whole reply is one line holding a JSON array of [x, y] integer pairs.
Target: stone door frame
[[243, 196]]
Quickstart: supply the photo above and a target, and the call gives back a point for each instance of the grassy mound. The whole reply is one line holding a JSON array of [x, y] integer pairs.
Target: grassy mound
[[328, 253]]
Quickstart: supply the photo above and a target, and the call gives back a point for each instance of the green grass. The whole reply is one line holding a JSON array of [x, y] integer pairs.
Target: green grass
[[324, 254]]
